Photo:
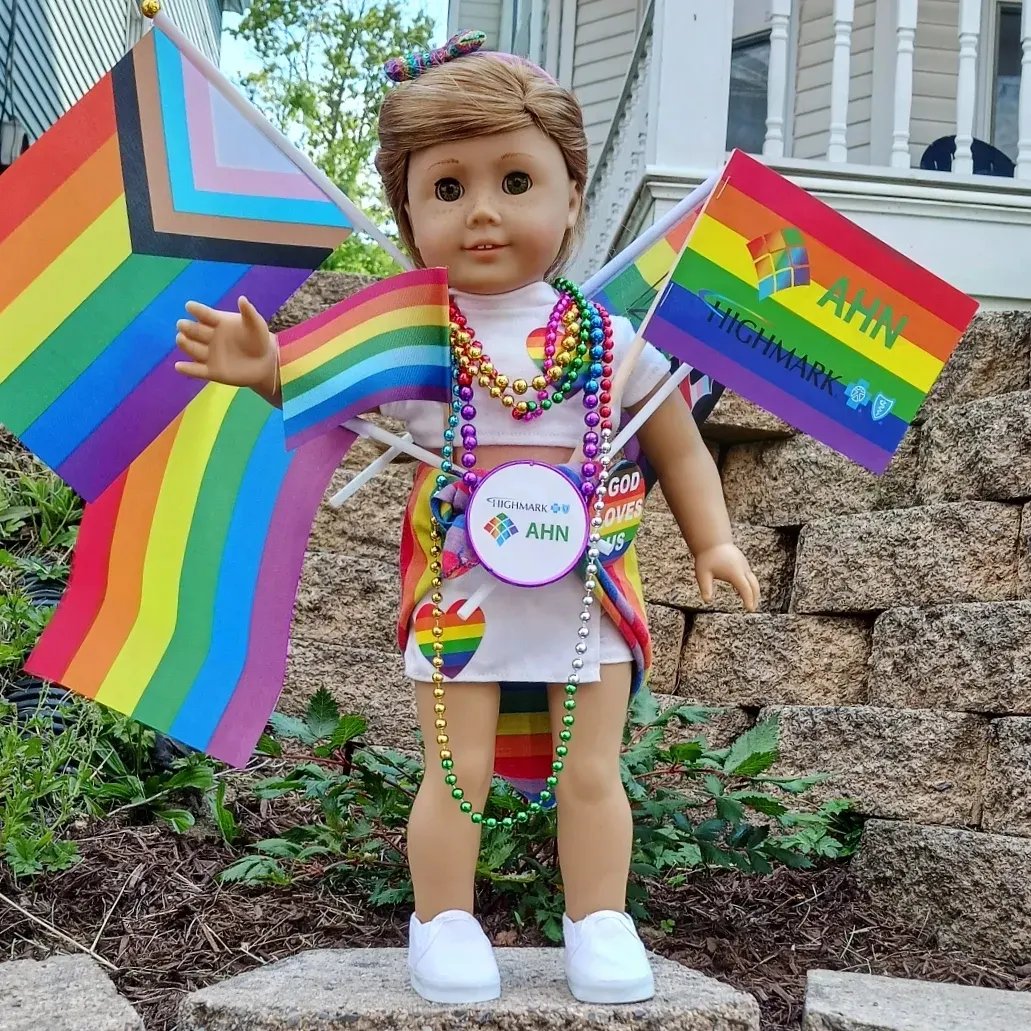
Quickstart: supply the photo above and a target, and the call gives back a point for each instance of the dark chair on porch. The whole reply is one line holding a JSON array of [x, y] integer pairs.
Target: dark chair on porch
[[988, 160]]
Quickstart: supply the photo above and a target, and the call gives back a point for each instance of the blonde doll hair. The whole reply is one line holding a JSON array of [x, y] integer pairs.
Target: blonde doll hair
[[477, 95]]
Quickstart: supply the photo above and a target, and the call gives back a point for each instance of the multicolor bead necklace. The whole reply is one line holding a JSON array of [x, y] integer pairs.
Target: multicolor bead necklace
[[578, 332]]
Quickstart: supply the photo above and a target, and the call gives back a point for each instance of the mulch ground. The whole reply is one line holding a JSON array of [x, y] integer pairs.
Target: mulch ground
[[146, 902]]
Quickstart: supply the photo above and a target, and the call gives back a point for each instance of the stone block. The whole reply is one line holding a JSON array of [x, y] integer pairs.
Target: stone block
[[993, 357], [759, 658], [916, 556], [66, 993], [367, 990], [369, 522], [1024, 554], [791, 482], [321, 290], [974, 657], [836, 1001], [348, 601], [365, 682], [971, 890], [978, 450], [896, 763], [1007, 785], [667, 629], [667, 566], [736, 419]]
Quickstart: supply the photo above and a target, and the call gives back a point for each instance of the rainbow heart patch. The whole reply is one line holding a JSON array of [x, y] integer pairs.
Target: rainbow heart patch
[[535, 349], [461, 637]]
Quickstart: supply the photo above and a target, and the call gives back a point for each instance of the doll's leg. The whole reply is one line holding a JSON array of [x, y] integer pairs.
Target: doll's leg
[[594, 825], [605, 960], [443, 843], [450, 959]]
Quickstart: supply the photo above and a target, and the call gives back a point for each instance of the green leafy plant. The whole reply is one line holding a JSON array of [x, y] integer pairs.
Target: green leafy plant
[[39, 507], [45, 785], [100, 765], [21, 623], [691, 806]]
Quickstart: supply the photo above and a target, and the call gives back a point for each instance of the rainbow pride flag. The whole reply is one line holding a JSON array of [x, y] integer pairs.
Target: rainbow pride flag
[[184, 576], [796, 308], [153, 190], [386, 343]]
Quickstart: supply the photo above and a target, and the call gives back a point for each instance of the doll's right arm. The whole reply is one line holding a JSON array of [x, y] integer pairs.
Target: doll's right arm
[[230, 347]]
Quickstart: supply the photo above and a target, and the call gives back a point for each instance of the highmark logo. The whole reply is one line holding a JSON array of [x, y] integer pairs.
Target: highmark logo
[[754, 332], [501, 528], [781, 261]]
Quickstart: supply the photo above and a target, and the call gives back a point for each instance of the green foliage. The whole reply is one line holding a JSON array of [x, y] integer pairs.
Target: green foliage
[[101, 764], [41, 508], [21, 623], [321, 82], [691, 806]]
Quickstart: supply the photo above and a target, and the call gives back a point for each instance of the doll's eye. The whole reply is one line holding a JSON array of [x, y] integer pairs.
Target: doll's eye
[[449, 190], [516, 183]]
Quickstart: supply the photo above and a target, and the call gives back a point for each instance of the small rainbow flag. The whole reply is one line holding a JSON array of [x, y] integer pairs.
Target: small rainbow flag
[[386, 343], [153, 190], [630, 289], [183, 580], [799, 310]]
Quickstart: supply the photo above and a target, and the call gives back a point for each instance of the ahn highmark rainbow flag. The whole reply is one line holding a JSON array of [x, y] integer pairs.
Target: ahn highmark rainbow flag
[[788, 303]]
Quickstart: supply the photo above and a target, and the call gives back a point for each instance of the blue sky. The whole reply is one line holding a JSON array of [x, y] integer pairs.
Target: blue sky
[[236, 57]]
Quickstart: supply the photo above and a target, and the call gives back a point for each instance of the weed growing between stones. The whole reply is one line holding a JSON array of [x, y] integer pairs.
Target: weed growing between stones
[[694, 807]]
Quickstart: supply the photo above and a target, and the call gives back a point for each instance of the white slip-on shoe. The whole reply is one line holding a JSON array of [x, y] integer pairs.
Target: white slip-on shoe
[[605, 959], [450, 959]]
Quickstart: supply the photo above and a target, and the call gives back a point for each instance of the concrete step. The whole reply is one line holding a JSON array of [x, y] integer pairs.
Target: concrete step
[[864, 1002], [368, 990], [66, 993]]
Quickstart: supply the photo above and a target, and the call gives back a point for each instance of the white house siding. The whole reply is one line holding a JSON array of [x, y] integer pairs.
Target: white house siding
[[813, 80], [62, 49], [477, 14], [935, 74], [606, 31]]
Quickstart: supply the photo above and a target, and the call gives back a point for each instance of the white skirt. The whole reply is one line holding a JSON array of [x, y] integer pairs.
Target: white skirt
[[526, 634]]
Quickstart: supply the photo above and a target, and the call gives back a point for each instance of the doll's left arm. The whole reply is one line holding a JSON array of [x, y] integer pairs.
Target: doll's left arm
[[691, 485]]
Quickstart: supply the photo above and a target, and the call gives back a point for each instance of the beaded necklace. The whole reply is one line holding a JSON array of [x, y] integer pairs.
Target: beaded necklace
[[578, 332]]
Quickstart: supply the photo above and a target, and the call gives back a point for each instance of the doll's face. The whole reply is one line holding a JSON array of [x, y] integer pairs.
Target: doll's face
[[493, 210]]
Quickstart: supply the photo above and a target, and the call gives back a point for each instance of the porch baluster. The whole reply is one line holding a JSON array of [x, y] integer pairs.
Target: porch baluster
[[777, 83], [1024, 105], [905, 31], [966, 86], [837, 143]]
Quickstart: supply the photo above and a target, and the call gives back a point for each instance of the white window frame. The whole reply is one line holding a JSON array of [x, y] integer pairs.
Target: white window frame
[[987, 49]]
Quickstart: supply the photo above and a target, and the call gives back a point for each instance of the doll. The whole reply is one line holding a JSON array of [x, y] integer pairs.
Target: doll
[[483, 157]]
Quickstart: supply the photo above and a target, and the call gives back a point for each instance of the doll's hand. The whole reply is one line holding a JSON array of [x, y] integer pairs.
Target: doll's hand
[[227, 347], [725, 562]]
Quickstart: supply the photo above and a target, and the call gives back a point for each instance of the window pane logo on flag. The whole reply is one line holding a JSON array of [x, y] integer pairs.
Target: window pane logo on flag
[[781, 261], [501, 528]]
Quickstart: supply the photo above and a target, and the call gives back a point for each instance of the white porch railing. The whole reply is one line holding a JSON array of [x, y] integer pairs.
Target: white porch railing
[[666, 127]]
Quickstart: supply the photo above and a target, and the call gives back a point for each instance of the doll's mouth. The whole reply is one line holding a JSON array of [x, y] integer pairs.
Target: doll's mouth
[[485, 247]]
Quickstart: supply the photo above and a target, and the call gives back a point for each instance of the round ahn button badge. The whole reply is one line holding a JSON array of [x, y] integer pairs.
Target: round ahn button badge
[[527, 523]]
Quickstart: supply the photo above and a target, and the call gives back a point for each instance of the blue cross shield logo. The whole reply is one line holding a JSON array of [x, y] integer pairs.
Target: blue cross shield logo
[[881, 406]]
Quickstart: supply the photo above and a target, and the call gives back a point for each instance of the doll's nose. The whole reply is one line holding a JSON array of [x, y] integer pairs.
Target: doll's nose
[[483, 210]]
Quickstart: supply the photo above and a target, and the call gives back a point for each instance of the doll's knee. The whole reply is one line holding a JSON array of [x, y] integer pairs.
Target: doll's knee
[[474, 769], [588, 779]]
